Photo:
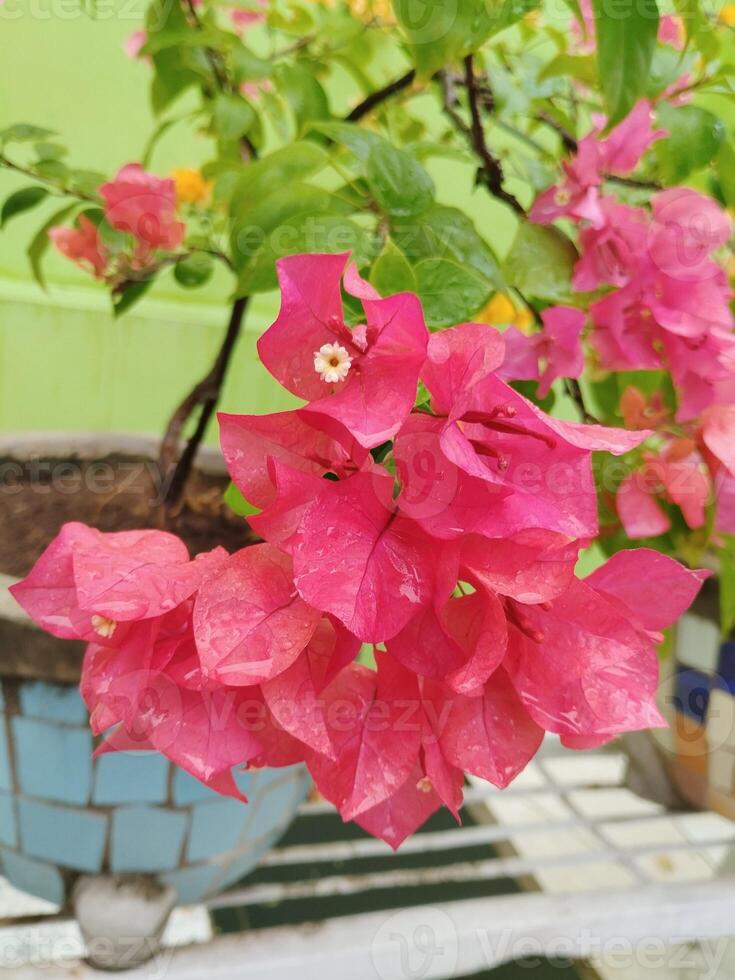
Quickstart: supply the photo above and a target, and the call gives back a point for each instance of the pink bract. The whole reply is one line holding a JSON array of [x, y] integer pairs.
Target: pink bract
[[144, 206], [387, 352], [82, 245]]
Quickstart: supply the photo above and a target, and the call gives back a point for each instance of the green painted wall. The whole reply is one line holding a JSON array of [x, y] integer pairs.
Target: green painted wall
[[64, 362]]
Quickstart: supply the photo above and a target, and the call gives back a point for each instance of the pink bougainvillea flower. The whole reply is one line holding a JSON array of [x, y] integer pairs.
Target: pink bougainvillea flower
[[244, 18], [134, 42], [555, 352], [356, 557], [377, 736], [678, 475], [611, 253], [294, 696], [144, 206], [82, 245], [250, 441], [379, 361], [87, 585], [640, 412], [495, 464], [577, 196], [250, 623], [586, 665], [493, 736], [686, 228], [670, 30], [534, 566], [461, 641], [622, 150]]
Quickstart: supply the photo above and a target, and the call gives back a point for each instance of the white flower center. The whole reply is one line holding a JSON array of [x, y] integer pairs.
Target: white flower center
[[104, 627], [332, 363]]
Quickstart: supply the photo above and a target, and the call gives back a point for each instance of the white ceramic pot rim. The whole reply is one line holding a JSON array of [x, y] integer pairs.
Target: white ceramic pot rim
[[23, 446]]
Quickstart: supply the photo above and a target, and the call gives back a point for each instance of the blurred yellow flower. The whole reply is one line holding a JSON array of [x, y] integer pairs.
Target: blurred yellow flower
[[726, 16], [524, 320], [191, 187], [499, 311]]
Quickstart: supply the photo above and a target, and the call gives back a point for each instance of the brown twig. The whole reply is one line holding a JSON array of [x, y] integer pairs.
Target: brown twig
[[569, 141], [574, 390], [206, 393], [375, 98], [491, 171]]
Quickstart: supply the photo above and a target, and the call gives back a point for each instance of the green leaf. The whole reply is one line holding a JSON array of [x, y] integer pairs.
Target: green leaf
[[304, 94], [279, 169], [581, 67], [22, 200], [260, 217], [232, 116], [540, 262], [237, 503], [194, 270], [85, 181], [391, 272], [175, 68], [399, 183], [248, 66], [726, 173], [440, 33], [504, 13], [305, 233], [129, 295], [358, 141], [50, 151], [726, 556], [626, 40], [450, 293], [24, 133], [695, 137], [447, 233], [40, 241], [54, 170]]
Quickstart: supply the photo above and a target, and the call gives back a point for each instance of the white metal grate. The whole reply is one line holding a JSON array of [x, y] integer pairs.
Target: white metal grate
[[605, 867]]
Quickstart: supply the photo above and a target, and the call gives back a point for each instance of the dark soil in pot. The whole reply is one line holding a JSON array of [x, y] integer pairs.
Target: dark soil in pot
[[59, 479]]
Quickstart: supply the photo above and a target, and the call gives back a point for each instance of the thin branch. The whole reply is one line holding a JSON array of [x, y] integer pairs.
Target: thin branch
[[574, 390], [568, 140], [212, 56], [645, 185], [491, 171], [207, 394], [376, 98], [450, 103], [47, 181]]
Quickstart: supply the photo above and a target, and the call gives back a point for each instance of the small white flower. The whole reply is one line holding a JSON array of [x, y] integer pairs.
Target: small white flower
[[332, 363], [104, 627]]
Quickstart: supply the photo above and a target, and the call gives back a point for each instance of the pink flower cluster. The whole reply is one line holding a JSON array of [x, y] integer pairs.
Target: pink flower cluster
[[135, 202], [666, 306], [443, 535]]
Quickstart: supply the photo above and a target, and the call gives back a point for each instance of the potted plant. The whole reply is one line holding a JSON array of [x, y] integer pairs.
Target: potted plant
[[413, 610]]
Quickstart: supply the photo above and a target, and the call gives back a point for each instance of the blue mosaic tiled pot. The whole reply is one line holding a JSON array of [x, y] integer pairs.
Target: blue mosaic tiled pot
[[64, 814], [696, 753]]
